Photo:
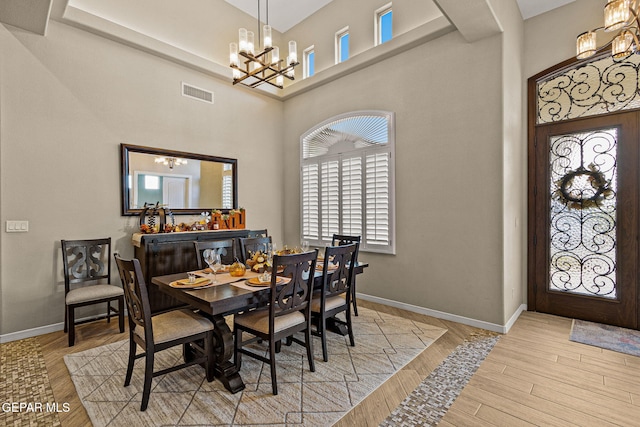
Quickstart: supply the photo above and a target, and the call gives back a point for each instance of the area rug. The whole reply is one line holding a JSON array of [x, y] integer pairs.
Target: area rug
[[25, 391], [384, 343], [605, 336], [429, 402]]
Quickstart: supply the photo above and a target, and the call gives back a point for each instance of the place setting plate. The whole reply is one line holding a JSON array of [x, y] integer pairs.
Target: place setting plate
[[255, 281], [201, 282]]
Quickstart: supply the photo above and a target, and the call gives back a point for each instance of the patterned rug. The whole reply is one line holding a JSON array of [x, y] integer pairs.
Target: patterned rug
[[431, 400], [384, 343], [25, 392], [605, 336]]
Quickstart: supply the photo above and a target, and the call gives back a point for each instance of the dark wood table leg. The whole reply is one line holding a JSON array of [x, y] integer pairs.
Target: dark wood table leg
[[224, 369], [337, 327]]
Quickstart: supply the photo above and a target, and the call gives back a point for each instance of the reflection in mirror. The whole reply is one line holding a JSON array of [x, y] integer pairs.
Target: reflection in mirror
[[184, 182]]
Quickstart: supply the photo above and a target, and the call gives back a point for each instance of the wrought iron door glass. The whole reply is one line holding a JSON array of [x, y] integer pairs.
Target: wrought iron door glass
[[582, 208], [601, 86]]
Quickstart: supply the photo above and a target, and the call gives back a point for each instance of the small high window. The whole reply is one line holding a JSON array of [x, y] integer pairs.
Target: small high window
[[309, 62], [342, 45], [384, 24]]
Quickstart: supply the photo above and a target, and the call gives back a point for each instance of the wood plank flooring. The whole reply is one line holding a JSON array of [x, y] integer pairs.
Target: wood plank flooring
[[534, 376]]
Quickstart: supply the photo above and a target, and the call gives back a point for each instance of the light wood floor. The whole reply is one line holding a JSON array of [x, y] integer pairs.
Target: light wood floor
[[534, 376]]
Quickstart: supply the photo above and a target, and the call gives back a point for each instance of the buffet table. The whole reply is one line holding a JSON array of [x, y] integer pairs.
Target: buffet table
[[167, 253]]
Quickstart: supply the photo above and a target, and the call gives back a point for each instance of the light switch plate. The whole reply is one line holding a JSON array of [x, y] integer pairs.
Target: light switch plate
[[17, 226]]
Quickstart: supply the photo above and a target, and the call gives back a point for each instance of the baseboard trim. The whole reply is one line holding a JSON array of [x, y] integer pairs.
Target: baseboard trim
[[446, 316], [41, 330], [47, 329]]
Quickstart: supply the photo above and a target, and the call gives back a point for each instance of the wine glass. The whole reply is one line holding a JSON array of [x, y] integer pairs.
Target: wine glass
[[304, 245], [212, 258], [269, 251]]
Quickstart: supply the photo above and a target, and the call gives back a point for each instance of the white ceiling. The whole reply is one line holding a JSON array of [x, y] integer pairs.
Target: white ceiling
[[531, 8], [283, 14]]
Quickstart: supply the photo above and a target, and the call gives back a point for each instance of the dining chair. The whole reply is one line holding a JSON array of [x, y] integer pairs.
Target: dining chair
[[226, 249], [87, 280], [162, 331], [252, 244], [335, 295], [340, 240], [258, 233], [288, 312]]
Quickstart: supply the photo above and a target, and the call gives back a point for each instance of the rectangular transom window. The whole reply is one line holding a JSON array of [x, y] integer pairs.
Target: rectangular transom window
[[342, 45], [384, 24], [309, 63]]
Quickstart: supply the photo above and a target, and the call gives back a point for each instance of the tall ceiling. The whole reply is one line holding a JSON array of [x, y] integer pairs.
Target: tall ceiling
[[32, 15]]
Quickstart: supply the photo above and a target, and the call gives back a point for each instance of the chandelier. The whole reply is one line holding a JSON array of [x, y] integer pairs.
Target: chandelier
[[264, 66], [621, 16], [170, 161]]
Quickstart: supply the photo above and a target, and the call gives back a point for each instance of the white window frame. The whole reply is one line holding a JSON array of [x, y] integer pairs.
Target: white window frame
[[377, 22], [339, 34], [315, 212], [305, 63]]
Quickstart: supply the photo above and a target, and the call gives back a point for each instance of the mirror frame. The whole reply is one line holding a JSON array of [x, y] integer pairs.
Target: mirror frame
[[125, 149]]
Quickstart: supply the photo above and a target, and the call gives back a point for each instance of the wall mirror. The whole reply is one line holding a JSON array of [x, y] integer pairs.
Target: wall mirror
[[186, 183]]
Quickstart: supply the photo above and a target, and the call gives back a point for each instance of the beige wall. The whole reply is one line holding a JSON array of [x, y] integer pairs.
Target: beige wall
[[320, 29], [68, 100], [514, 159], [448, 172]]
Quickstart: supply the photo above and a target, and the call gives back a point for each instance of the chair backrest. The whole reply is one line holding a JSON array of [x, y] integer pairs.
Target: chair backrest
[[343, 239], [136, 295], [86, 261], [337, 270], [258, 233], [296, 294], [252, 244], [226, 249]]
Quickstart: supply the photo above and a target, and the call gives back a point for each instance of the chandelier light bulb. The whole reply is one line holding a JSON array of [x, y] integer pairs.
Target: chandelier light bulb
[[236, 74], [293, 52], [275, 55], [268, 42], [233, 54], [586, 45], [250, 44], [622, 45], [242, 39], [279, 81], [616, 14]]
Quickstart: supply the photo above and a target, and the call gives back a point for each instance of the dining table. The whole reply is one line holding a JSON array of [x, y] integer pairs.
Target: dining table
[[230, 295]]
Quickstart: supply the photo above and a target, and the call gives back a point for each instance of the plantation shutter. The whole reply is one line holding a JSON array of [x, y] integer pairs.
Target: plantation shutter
[[352, 196], [227, 190], [310, 202], [377, 199], [330, 199]]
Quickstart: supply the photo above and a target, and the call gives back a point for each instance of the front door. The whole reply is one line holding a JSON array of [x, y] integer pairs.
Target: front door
[[585, 234]]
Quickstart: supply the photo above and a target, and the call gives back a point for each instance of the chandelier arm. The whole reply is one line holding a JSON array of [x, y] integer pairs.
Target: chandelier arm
[[636, 18]]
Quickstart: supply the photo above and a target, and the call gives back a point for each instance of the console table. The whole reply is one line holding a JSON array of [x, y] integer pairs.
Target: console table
[[167, 253]]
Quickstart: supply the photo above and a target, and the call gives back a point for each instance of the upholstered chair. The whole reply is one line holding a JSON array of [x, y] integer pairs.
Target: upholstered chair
[[87, 281], [289, 312], [162, 331]]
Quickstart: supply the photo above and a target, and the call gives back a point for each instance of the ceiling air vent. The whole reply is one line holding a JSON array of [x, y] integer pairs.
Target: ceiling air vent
[[197, 93]]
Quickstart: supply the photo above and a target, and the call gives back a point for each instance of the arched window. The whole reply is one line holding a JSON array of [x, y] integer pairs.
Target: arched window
[[347, 180]]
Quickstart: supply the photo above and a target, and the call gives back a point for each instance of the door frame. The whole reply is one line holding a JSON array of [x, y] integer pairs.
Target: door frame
[[539, 276]]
